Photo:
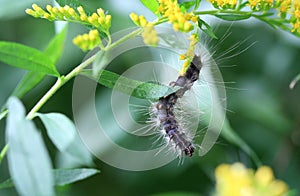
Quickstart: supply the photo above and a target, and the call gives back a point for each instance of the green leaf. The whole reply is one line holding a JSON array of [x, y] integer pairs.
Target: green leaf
[[281, 23], [60, 129], [152, 5], [143, 90], [230, 135], [3, 114], [68, 176], [101, 61], [74, 4], [61, 176], [55, 47], [3, 152], [7, 184], [197, 4], [28, 159], [186, 5], [233, 17], [29, 81], [25, 57], [206, 28], [79, 152]]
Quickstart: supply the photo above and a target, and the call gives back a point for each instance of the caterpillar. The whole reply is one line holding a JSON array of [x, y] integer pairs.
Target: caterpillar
[[165, 109]]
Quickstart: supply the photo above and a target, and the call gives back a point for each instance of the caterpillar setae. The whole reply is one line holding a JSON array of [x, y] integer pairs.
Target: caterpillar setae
[[165, 109]]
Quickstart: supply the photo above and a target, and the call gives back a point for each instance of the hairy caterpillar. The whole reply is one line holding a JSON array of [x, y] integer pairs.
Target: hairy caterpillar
[[165, 108]]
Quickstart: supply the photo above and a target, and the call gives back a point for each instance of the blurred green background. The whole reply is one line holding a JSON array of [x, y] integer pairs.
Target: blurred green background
[[261, 107]]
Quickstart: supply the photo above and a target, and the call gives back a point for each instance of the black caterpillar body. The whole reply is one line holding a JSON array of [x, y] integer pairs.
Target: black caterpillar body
[[165, 108]]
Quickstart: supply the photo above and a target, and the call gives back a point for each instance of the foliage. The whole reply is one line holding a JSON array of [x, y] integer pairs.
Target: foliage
[[28, 158]]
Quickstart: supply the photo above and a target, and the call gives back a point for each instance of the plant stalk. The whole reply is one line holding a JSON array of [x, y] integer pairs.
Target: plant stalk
[[63, 79], [3, 152], [59, 83]]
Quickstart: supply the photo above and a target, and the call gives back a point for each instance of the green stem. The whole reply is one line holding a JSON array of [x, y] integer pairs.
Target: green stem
[[207, 12], [59, 83], [109, 38], [63, 79], [44, 99], [3, 152], [294, 82], [123, 39], [161, 20], [213, 12]]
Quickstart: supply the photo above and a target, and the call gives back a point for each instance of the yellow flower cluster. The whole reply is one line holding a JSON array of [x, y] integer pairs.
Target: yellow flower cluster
[[149, 34], [295, 19], [181, 21], [188, 56], [139, 20], [261, 4], [66, 13], [254, 4], [283, 6], [236, 180], [88, 41], [225, 4]]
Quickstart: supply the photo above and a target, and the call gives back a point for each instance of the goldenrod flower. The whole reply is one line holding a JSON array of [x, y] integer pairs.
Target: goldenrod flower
[[181, 21], [233, 180], [225, 4], [283, 6], [295, 17], [237, 180], [254, 4], [139, 20], [87, 41], [188, 56], [98, 20], [296, 26], [258, 5], [149, 34]]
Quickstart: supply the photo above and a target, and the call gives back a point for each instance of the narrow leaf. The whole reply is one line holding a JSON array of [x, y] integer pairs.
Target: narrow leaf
[[68, 176], [143, 90], [6, 184], [152, 5], [197, 4], [100, 62], [3, 152], [79, 152], [61, 176], [55, 47], [186, 5], [3, 114], [25, 57], [230, 135], [281, 23], [233, 17], [206, 28], [29, 81], [60, 129], [28, 159]]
